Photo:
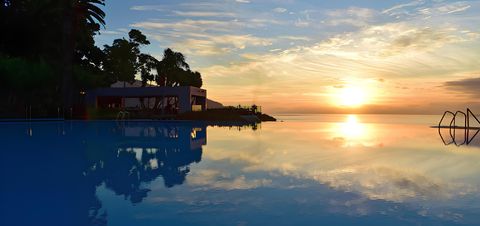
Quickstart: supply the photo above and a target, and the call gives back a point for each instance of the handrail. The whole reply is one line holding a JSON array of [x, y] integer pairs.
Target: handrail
[[469, 140], [455, 126], [443, 140], [469, 112], [444, 114], [452, 127]]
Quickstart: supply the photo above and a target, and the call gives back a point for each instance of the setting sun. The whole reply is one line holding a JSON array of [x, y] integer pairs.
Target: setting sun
[[351, 96]]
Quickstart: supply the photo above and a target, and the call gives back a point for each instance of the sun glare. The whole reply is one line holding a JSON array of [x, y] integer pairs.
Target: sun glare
[[352, 96], [353, 132], [351, 128]]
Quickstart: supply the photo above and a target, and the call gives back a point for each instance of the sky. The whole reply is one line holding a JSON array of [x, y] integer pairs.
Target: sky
[[315, 56]]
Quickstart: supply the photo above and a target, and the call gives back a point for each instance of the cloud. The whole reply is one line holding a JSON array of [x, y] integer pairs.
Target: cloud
[[110, 32], [279, 10], [188, 25], [203, 14], [242, 1], [200, 47], [394, 10], [454, 7], [204, 25], [353, 22], [241, 41], [220, 45], [356, 12], [391, 184], [424, 8], [213, 179], [302, 23], [421, 39], [148, 8], [258, 22], [390, 39], [295, 38], [358, 17], [468, 86]]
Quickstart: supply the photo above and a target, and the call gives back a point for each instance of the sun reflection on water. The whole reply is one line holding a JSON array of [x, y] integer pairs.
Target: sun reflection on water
[[352, 130]]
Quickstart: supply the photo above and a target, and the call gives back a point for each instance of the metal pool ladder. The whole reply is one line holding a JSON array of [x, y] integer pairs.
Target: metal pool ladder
[[452, 126]]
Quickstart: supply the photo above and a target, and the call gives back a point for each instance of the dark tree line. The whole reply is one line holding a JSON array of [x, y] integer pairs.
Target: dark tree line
[[48, 57]]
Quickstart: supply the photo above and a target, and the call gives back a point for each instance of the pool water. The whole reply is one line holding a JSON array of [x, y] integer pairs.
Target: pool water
[[305, 170]]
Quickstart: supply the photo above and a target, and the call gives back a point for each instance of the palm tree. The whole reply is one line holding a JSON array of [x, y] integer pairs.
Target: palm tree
[[172, 64], [76, 13]]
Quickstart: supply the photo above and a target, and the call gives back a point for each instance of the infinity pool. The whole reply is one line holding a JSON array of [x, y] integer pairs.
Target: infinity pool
[[306, 170]]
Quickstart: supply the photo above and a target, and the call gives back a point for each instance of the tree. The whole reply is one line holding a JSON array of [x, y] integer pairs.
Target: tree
[[20, 79], [146, 64], [34, 29], [124, 59], [57, 33], [120, 61], [77, 14], [191, 78], [173, 70], [169, 68], [197, 80]]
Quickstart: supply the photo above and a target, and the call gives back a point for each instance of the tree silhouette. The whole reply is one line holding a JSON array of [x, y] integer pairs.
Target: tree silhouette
[[77, 14], [169, 68], [52, 32], [124, 58], [147, 64], [173, 70]]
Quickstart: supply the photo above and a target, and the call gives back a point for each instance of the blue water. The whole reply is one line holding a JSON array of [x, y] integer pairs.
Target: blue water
[[306, 170]]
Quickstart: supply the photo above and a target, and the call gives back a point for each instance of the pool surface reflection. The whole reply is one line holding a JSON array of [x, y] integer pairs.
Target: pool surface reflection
[[307, 170]]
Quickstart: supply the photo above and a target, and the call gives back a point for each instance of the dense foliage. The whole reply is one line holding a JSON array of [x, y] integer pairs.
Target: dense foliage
[[48, 57]]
